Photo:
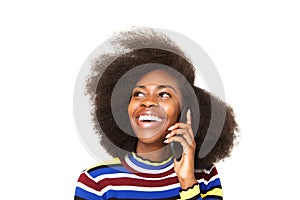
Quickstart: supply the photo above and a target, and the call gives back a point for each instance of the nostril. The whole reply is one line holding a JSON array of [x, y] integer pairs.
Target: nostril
[[149, 102], [148, 105]]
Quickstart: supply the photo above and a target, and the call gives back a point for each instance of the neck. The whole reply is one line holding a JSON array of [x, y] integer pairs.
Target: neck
[[153, 153]]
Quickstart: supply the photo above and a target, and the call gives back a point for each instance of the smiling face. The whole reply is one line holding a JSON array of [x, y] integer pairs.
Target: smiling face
[[154, 106]]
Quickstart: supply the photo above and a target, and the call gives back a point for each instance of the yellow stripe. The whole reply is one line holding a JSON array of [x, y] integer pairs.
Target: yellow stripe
[[190, 192], [110, 162], [151, 163], [215, 192]]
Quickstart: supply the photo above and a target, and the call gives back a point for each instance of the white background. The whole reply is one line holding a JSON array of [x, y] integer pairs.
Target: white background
[[255, 46]]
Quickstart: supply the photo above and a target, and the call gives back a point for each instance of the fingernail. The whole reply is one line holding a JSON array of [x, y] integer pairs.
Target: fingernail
[[171, 128], [166, 141], [167, 136]]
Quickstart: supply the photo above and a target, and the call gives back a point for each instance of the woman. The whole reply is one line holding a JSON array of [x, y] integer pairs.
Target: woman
[[138, 104]]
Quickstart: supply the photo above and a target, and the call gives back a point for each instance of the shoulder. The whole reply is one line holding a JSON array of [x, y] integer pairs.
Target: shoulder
[[109, 163], [102, 169], [92, 180]]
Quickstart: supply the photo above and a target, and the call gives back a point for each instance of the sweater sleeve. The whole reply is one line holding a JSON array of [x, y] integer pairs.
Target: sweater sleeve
[[191, 193], [210, 184], [208, 187], [86, 188]]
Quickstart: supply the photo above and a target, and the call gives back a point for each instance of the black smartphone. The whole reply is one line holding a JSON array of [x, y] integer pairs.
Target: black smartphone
[[176, 147]]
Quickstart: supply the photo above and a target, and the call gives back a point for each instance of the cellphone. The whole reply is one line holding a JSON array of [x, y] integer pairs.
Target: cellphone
[[176, 147]]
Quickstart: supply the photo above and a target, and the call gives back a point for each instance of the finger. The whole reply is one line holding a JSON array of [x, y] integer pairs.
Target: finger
[[180, 125], [184, 129], [189, 121], [188, 137], [180, 139], [189, 141], [186, 147], [183, 133], [189, 117]]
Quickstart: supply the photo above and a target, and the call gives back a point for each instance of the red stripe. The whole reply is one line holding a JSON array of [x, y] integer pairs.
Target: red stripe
[[206, 176], [137, 182], [84, 179]]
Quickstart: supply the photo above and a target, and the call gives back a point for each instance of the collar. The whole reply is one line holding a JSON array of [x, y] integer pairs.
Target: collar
[[141, 165]]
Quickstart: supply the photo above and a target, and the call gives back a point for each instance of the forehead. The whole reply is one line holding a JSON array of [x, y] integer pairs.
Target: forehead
[[160, 77]]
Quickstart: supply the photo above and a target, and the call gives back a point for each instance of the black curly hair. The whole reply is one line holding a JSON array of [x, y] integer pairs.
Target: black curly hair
[[150, 49]]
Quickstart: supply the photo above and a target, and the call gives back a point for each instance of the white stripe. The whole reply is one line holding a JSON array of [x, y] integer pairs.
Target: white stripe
[[134, 176], [86, 188], [148, 171], [138, 188], [202, 180], [206, 171]]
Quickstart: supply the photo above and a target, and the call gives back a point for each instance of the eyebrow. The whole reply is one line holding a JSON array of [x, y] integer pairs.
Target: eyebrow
[[158, 87]]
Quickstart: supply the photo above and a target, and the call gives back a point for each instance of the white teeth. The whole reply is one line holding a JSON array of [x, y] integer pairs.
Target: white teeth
[[149, 118]]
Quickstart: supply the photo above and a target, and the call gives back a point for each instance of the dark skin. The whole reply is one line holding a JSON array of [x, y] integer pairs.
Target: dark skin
[[153, 112]]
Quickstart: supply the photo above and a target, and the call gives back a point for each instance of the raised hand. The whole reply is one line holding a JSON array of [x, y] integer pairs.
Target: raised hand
[[184, 168]]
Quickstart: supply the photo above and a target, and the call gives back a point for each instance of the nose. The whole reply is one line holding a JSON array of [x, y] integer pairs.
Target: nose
[[149, 102]]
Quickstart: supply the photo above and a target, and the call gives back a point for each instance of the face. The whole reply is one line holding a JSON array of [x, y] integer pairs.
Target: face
[[154, 106]]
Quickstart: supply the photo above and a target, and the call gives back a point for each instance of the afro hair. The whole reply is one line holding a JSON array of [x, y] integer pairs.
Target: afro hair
[[142, 47]]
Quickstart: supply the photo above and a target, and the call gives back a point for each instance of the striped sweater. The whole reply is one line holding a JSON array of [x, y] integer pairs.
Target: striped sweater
[[135, 178]]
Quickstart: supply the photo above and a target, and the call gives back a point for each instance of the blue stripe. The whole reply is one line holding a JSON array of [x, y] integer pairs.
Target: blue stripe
[[108, 170], [148, 166], [79, 192], [204, 188], [129, 194]]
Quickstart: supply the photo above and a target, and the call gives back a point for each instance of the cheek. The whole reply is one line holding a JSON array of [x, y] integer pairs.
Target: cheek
[[131, 107], [173, 111]]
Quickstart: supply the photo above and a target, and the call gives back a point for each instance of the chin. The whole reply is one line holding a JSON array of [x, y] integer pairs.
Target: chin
[[152, 140]]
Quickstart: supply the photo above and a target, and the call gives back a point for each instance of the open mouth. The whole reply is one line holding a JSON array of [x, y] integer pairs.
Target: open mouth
[[149, 121], [149, 118]]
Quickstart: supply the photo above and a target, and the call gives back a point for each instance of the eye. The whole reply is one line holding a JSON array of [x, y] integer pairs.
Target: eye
[[138, 94], [164, 95]]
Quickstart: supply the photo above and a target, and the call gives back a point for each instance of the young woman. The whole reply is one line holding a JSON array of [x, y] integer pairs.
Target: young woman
[[138, 103]]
